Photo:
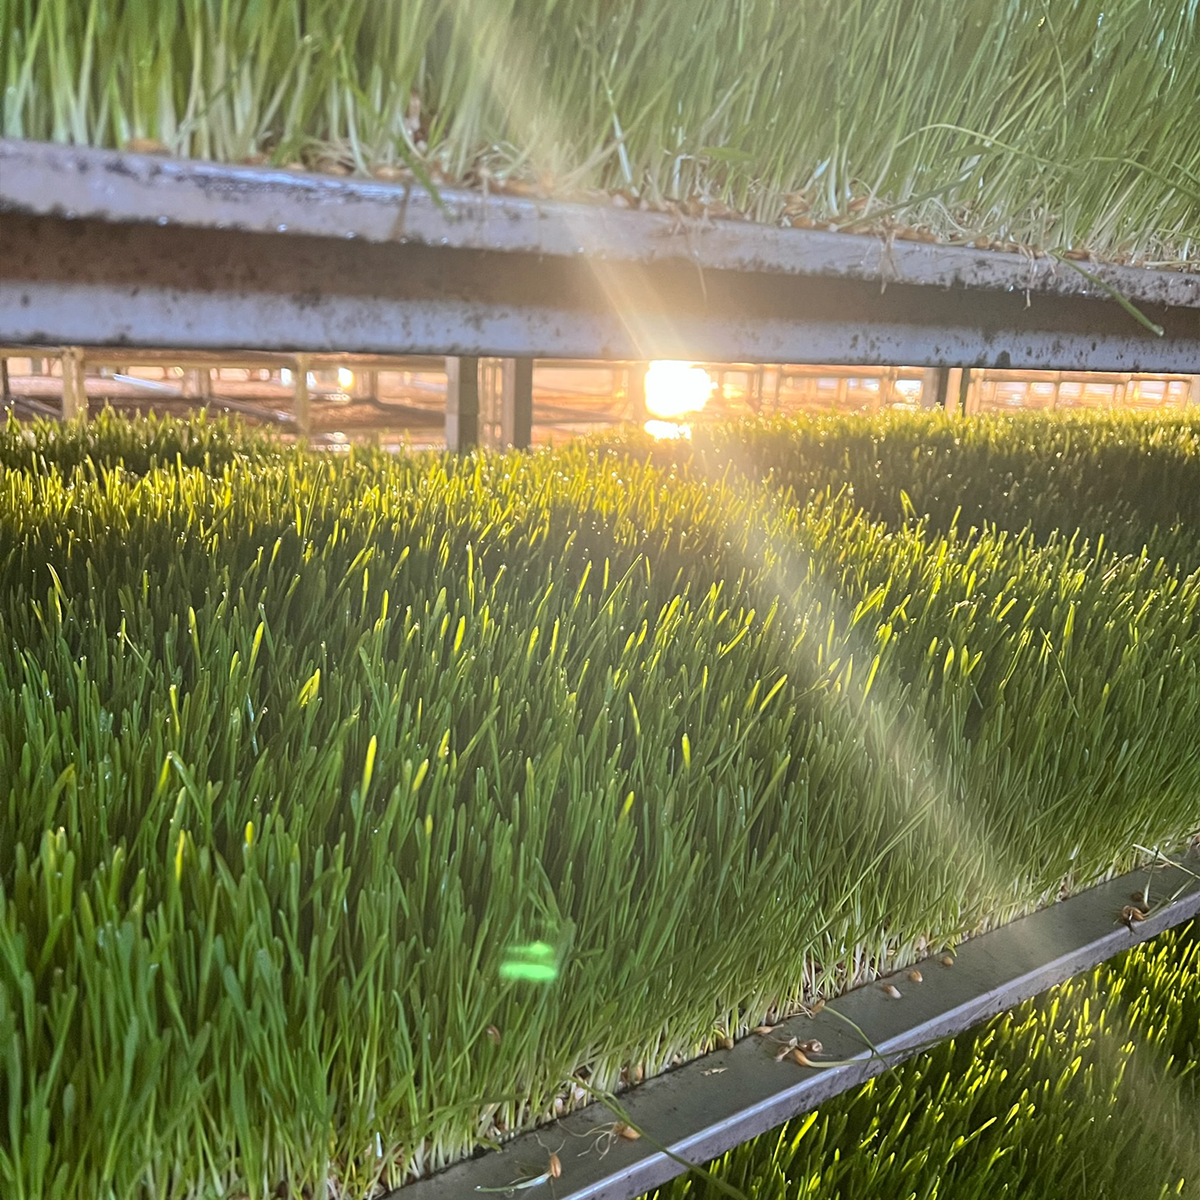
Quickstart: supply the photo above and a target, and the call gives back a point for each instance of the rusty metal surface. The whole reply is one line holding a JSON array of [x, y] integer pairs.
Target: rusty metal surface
[[705, 1108], [42, 179], [88, 282], [106, 249]]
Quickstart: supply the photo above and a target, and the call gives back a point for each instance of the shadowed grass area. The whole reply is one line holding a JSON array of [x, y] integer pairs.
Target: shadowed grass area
[[1092, 1090], [1067, 127], [350, 807]]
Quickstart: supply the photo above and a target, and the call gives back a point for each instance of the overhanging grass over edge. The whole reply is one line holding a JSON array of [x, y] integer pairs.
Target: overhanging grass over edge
[[1069, 131], [1090, 1090]]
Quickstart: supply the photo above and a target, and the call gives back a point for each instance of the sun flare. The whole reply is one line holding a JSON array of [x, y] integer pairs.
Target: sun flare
[[674, 388]]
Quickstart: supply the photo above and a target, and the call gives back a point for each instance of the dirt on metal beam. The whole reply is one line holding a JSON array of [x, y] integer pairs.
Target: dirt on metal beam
[[42, 179], [101, 248], [74, 282]]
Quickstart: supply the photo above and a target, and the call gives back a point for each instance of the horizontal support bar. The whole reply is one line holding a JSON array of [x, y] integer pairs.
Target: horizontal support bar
[[91, 283], [234, 358], [702, 1109], [42, 179], [99, 248]]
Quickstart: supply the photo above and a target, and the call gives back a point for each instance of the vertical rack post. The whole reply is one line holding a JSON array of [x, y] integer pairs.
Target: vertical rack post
[[197, 384], [964, 391], [635, 389], [462, 403], [887, 387], [954, 384], [301, 401], [516, 402], [934, 386], [74, 392]]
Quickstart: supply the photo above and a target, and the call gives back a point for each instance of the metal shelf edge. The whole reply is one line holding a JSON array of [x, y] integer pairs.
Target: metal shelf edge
[[51, 180], [710, 1105]]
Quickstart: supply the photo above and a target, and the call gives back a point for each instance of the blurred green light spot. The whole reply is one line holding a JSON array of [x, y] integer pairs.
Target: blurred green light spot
[[528, 972], [534, 963]]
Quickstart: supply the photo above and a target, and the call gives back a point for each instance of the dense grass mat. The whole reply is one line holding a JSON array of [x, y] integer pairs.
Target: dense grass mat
[[1090, 1091], [349, 807], [1131, 478], [1006, 125]]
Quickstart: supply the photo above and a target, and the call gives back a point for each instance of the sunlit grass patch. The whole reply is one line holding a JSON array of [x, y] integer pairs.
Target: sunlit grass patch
[[350, 808]]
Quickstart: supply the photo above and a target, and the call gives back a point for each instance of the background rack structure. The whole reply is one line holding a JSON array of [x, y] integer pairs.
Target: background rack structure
[[108, 249]]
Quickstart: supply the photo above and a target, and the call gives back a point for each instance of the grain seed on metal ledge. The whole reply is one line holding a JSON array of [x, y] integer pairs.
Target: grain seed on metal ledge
[[788, 1047]]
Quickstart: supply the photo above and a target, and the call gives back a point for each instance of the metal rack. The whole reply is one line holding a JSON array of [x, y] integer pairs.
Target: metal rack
[[103, 248], [714, 1103]]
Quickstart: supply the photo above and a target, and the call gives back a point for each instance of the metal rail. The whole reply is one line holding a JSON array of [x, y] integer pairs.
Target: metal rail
[[107, 248], [707, 1107]]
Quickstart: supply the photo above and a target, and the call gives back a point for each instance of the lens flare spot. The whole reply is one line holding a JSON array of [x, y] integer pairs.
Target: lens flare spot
[[536, 962], [675, 388], [665, 430]]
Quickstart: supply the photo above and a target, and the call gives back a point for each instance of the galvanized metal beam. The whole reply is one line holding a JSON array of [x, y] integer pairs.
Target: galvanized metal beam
[[74, 391], [705, 1108], [93, 283], [516, 403], [462, 403], [52, 180], [103, 248], [635, 388], [301, 398]]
